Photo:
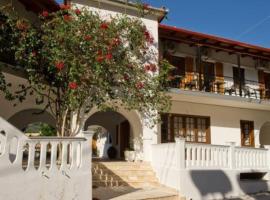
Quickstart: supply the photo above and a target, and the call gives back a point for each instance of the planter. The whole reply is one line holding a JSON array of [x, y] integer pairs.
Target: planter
[[130, 155]]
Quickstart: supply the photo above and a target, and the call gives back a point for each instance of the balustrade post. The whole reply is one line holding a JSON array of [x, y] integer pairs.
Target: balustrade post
[[86, 156], [231, 158], [268, 155], [180, 151]]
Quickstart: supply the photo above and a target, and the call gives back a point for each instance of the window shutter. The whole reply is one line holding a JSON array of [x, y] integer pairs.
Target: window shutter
[[189, 69], [189, 64], [219, 69], [219, 77]]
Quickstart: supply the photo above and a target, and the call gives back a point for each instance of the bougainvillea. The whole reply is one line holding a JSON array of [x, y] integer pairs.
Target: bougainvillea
[[75, 61]]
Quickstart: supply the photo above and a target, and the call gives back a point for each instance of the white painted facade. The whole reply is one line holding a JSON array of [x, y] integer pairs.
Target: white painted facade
[[168, 160]]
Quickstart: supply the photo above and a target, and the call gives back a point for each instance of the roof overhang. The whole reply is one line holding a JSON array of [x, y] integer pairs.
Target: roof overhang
[[215, 42]]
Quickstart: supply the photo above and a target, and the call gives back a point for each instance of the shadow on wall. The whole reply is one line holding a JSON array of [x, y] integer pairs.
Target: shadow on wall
[[252, 182], [216, 184], [211, 182], [21, 119]]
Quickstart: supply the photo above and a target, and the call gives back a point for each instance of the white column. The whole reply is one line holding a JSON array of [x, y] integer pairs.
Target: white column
[[180, 152], [232, 155], [268, 155]]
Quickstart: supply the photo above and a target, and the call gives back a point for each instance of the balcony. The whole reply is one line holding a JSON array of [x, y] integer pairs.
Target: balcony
[[223, 85]]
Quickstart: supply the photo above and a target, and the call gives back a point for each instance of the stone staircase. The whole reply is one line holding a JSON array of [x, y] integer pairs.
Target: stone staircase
[[121, 180], [133, 174]]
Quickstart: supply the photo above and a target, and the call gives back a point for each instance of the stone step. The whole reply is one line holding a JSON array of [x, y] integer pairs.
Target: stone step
[[123, 172], [127, 193], [130, 177], [122, 167], [134, 184]]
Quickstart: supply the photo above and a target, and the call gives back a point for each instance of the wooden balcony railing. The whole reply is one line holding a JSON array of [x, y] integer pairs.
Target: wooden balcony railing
[[221, 85]]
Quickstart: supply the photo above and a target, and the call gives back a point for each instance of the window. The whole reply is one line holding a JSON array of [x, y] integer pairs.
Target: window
[[238, 76], [247, 133], [193, 128]]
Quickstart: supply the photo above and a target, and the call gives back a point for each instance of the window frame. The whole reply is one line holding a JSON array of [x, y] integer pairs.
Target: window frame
[[251, 132], [170, 127]]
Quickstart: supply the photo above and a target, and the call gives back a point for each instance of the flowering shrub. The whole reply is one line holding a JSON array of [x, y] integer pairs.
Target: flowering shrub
[[75, 60]]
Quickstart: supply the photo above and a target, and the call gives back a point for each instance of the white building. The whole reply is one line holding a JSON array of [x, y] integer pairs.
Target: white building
[[220, 105]]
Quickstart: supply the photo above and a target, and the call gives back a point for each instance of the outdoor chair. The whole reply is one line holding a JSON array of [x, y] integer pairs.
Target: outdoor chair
[[249, 92], [230, 90]]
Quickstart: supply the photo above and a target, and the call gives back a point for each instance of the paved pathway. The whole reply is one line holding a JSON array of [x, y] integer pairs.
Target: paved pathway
[[259, 196], [128, 193]]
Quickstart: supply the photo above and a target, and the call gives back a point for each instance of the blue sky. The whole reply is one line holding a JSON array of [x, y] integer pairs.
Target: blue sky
[[244, 20]]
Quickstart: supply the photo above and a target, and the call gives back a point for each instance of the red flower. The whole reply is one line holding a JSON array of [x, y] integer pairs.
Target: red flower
[[146, 34], [139, 85], [116, 41], [153, 68], [78, 11], [151, 40], [104, 26], [126, 77], [67, 18], [65, 6], [109, 56], [100, 58], [148, 37], [45, 13], [73, 85], [34, 53], [99, 52], [147, 68], [87, 37], [59, 65], [146, 6]]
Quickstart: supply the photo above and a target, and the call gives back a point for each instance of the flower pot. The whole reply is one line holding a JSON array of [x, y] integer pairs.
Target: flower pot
[[129, 156]]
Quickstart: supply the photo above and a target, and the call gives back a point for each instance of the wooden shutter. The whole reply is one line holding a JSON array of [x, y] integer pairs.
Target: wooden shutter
[[261, 83], [189, 69], [219, 77]]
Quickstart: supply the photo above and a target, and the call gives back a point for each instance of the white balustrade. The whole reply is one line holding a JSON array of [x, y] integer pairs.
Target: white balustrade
[[56, 164], [184, 155], [251, 158], [206, 156]]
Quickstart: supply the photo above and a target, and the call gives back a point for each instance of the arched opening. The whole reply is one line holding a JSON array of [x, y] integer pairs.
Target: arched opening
[[265, 134], [112, 131], [31, 117], [39, 129]]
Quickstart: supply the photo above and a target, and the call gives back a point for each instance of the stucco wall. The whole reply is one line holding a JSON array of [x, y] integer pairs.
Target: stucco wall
[[224, 121]]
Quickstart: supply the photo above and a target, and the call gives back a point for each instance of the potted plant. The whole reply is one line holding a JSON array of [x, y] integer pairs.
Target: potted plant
[[130, 155]]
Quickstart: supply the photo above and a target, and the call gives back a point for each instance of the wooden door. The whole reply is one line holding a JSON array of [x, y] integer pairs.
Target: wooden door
[[247, 133], [208, 70], [124, 137]]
